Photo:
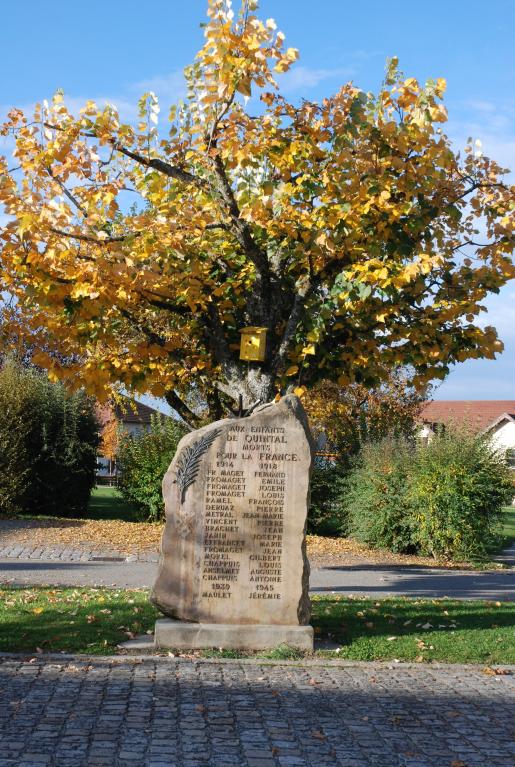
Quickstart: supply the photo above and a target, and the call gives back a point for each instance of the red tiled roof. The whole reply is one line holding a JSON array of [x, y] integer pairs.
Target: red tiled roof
[[130, 412], [478, 414], [134, 412]]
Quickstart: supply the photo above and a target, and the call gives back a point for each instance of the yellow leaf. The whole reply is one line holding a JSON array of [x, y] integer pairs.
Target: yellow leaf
[[244, 86], [292, 370], [37, 610]]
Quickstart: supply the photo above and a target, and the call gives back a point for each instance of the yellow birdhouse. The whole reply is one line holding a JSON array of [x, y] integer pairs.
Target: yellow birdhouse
[[253, 344]]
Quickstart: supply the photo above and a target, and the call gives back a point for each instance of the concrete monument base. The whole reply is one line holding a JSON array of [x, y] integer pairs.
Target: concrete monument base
[[202, 636]]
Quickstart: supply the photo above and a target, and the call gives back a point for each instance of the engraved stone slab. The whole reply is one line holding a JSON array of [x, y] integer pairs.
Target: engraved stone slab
[[236, 495]]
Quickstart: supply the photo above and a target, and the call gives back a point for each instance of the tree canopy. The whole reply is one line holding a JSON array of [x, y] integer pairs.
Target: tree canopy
[[349, 229]]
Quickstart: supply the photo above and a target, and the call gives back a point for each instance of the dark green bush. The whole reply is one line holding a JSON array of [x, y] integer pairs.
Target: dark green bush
[[327, 512], [48, 445], [142, 463], [18, 403], [443, 499], [379, 501]]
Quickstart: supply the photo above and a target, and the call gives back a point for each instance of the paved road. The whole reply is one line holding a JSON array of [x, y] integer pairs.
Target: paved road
[[166, 713], [366, 580]]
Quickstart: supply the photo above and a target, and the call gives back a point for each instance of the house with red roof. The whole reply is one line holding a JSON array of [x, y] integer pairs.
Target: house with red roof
[[495, 417], [127, 416]]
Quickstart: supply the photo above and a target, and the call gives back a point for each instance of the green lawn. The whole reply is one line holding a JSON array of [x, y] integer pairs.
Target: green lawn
[[107, 503], [94, 621], [508, 527], [506, 534]]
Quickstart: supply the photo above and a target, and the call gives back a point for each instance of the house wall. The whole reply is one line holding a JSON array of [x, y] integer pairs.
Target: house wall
[[134, 429], [503, 436], [425, 433]]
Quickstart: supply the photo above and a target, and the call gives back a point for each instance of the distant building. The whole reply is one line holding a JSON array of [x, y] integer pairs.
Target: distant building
[[131, 417], [493, 417]]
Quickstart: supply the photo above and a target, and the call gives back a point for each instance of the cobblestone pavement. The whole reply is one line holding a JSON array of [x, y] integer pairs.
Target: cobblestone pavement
[[93, 552], [170, 713]]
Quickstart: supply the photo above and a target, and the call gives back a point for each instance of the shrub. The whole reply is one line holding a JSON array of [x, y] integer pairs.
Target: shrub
[[327, 512], [380, 505], [442, 499], [17, 432], [48, 445], [461, 483], [142, 464]]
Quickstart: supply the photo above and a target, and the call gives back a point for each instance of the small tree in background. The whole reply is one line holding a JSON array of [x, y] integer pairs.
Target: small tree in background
[[110, 441], [143, 461], [348, 417]]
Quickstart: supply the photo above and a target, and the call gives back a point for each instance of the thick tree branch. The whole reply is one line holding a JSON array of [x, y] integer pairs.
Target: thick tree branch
[[220, 347], [95, 240], [243, 233], [181, 309], [294, 318], [188, 416], [173, 171], [68, 194]]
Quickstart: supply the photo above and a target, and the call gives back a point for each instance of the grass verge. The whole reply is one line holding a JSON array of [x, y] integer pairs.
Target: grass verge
[[95, 621], [106, 503], [506, 536]]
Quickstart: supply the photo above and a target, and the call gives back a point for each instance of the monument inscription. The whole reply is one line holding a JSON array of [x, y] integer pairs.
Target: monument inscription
[[233, 548]]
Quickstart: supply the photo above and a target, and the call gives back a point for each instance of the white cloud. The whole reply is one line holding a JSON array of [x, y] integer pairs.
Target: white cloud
[[488, 379], [168, 88], [491, 122], [301, 77]]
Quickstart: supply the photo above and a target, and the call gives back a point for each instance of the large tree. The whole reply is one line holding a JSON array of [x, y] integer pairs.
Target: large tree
[[347, 228]]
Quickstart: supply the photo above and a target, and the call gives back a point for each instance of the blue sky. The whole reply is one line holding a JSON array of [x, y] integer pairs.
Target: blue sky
[[117, 49]]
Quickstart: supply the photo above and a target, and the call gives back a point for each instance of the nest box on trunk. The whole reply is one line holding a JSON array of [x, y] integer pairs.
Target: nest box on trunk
[[253, 344]]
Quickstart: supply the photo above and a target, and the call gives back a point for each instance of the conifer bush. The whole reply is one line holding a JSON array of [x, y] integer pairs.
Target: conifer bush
[[48, 444]]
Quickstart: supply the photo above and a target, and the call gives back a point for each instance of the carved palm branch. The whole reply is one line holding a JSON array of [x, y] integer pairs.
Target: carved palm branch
[[188, 465]]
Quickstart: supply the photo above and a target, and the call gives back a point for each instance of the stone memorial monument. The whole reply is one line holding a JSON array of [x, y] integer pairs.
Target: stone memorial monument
[[233, 571]]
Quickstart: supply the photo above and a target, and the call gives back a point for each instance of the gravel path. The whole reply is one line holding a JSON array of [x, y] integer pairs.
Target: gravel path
[[105, 712]]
